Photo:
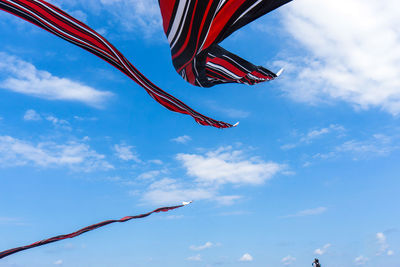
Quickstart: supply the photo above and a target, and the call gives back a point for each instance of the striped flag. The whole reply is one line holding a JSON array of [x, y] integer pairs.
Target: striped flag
[[194, 29]]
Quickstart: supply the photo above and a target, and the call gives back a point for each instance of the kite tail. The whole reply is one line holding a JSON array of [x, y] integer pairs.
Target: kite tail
[[9, 252], [59, 23]]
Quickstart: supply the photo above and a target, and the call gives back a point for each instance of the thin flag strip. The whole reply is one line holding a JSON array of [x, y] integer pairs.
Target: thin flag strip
[[9, 252], [59, 23]]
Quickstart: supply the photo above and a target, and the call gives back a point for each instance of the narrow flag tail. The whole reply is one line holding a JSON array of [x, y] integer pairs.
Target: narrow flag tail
[[9, 252]]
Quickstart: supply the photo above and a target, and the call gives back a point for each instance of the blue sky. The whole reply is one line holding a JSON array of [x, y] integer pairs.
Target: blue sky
[[311, 171]]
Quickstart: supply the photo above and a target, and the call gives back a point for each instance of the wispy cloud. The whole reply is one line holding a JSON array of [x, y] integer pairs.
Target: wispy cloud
[[361, 260], [346, 59], [383, 245], [308, 212], [126, 153], [226, 165], [230, 112], [311, 135], [194, 258], [123, 16], [376, 145], [202, 247], [379, 144], [314, 134], [288, 260], [74, 155], [174, 217], [78, 118], [58, 123], [156, 161], [227, 200], [150, 174], [58, 262], [79, 14], [136, 15], [381, 239], [182, 139], [32, 115], [234, 213], [10, 220], [23, 77], [323, 250], [246, 258]]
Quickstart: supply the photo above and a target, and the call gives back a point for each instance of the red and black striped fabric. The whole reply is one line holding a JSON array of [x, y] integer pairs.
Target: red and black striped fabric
[[194, 29], [59, 23], [9, 252]]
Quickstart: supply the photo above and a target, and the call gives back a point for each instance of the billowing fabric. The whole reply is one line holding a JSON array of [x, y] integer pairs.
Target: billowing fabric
[[194, 29], [83, 230], [59, 23]]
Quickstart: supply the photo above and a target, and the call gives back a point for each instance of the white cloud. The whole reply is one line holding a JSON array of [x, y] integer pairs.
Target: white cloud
[[390, 253], [182, 139], [76, 156], [126, 153], [58, 262], [211, 172], [353, 53], [194, 258], [246, 257], [226, 165], [288, 260], [23, 77], [308, 212], [202, 247], [32, 115], [322, 251], [361, 260]]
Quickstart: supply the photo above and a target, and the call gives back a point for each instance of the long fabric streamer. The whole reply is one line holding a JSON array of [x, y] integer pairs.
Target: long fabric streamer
[[9, 252], [59, 23]]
